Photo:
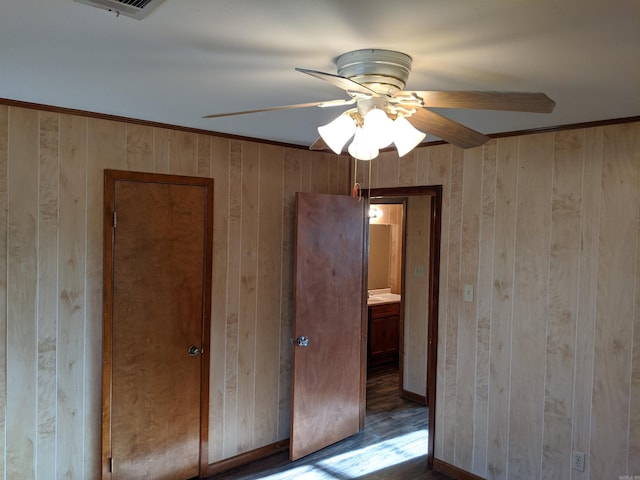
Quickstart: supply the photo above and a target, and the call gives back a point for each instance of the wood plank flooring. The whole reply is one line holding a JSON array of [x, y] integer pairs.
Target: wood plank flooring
[[392, 445]]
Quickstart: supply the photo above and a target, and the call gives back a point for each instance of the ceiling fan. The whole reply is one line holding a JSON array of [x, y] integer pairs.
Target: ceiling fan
[[374, 80]]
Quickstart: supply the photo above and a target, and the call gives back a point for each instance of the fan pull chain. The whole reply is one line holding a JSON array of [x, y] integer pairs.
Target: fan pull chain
[[356, 192], [369, 185]]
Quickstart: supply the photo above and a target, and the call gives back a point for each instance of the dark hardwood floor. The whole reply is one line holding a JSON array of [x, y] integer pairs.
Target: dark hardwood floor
[[392, 445]]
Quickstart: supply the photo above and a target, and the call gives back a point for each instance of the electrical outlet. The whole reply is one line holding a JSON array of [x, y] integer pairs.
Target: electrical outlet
[[578, 460]]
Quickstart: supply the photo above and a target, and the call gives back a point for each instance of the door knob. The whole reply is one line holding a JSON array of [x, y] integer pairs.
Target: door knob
[[195, 351], [302, 341]]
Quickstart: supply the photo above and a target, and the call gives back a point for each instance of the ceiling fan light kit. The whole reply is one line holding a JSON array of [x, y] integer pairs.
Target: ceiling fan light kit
[[386, 114], [338, 132], [371, 133], [363, 147], [406, 136]]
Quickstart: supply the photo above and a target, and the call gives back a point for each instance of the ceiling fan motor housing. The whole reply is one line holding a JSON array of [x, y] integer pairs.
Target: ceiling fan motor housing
[[383, 71]]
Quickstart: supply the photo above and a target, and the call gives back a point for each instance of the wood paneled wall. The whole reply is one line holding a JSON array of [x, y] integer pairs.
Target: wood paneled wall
[[51, 183], [546, 359], [416, 302]]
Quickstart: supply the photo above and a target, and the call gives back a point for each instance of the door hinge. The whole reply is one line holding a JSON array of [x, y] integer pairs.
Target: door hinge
[[115, 219], [110, 464]]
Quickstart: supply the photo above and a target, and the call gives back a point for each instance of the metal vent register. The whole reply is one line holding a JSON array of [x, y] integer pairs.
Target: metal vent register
[[131, 8]]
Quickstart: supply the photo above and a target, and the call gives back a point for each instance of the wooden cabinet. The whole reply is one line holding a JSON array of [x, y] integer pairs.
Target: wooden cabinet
[[384, 333]]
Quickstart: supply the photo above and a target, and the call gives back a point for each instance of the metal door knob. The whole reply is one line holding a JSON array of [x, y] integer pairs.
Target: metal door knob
[[302, 341], [195, 351]]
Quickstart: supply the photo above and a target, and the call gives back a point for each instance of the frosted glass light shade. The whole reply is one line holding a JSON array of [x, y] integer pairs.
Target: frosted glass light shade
[[379, 128], [338, 132], [405, 136], [363, 147]]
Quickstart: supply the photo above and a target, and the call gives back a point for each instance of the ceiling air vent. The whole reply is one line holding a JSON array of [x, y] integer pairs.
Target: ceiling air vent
[[131, 8]]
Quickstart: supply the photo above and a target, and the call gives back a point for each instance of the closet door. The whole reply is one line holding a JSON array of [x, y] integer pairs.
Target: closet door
[[156, 325]]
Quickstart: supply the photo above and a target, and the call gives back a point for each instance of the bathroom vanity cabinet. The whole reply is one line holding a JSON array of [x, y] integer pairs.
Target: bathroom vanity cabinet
[[384, 332]]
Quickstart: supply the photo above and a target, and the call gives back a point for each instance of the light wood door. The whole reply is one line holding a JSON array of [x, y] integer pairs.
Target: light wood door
[[328, 310], [157, 279]]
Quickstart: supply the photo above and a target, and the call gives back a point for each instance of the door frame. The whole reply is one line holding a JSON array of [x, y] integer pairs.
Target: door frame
[[434, 191], [110, 177]]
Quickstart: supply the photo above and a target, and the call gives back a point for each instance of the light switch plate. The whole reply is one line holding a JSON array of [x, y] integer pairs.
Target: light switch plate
[[468, 293]]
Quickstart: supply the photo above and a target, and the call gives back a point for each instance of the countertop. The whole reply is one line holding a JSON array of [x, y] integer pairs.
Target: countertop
[[382, 296]]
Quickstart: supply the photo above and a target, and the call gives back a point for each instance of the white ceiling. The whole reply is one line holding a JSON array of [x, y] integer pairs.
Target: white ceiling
[[191, 58]]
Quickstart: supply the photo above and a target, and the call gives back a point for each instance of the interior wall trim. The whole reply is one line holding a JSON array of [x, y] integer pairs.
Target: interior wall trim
[[136, 121], [454, 472], [104, 116], [248, 457], [414, 397]]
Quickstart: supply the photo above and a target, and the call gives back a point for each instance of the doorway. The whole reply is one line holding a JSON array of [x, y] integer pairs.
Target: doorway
[[156, 317], [385, 283], [331, 266], [419, 290]]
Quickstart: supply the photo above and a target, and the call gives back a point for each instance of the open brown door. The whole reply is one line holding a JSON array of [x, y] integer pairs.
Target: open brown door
[[156, 325], [327, 378]]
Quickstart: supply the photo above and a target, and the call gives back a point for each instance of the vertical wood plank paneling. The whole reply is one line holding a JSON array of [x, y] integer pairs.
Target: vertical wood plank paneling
[[415, 301], [21, 413], [291, 183], [71, 291], [183, 148], [368, 172], [528, 340], [502, 306], [344, 179], [319, 166], [587, 294], [408, 169], [269, 283], [229, 447], [440, 174], [334, 175], [615, 303], [307, 171], [387, 170], [204, 156], [47, 291], [634, 414], [450, 319], [563, 291], [599, 274], [467, 311], [162, 150], [140, 146], [105, 148], [217, 373], [422, 166], [247, 311], [4, 155], [483, 297]]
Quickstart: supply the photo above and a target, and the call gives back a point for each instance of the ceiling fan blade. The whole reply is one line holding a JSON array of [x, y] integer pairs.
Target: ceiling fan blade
[[512, 101], [330, 103], [344, 83], [448, 130], [319, 144]]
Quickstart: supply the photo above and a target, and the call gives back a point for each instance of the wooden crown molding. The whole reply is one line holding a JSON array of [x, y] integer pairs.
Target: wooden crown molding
[[104, 116]]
